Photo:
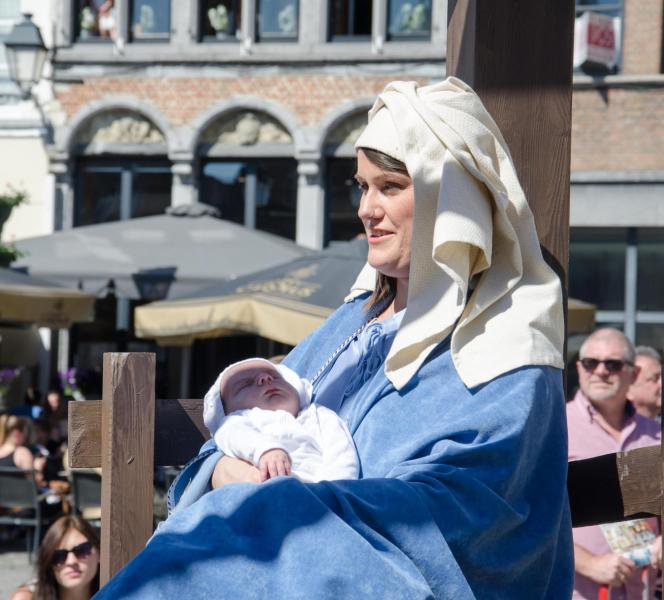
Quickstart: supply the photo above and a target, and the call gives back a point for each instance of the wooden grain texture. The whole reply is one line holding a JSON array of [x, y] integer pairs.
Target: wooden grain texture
[[179, 432], [615, 487], [127, 451], [84, 437], [517, 55], [639, 472]]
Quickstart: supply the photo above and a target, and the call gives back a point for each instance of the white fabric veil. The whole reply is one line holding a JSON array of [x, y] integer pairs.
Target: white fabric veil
[[471, 221]]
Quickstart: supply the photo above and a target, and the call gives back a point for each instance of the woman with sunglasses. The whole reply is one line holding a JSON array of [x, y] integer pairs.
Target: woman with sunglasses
[[68, 563]]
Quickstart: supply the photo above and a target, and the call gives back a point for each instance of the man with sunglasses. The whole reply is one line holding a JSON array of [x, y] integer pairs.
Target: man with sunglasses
[[601, 420]]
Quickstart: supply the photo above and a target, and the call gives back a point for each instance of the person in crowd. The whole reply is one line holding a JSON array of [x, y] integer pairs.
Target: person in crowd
[[14, 451], [67, 563], [646, 391], [601, 420], [445, 361], [262, 413], [55, 412]]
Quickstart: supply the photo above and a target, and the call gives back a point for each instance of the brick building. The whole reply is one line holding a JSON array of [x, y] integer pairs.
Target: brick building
[[253, 106]]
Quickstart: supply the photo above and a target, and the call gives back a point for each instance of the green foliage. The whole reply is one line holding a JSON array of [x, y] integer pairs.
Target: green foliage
[[9, 254], [13, 197]]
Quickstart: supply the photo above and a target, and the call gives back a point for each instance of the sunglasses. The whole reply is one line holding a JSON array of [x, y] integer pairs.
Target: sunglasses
[[612, 365], [80, 552]]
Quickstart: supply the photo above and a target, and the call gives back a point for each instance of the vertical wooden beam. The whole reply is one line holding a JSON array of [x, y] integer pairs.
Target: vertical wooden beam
[[127, 457], [517, 55]]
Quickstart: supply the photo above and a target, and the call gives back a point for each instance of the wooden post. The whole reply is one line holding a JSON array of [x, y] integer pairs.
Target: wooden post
[[127, 458], [517, 55]]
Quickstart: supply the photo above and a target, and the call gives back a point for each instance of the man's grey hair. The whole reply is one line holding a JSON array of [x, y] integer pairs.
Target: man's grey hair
[[648, 351], [607, 333]]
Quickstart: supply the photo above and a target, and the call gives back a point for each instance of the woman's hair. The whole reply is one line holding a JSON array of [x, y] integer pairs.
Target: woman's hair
[[386, 287], [47, 586], [9, 423]]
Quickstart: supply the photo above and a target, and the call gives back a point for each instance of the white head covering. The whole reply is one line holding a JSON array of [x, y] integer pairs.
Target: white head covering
[[471, 221], [213, 409]]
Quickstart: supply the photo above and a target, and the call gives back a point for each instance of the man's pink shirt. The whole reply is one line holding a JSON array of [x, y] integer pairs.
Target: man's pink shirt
[[588, 437]]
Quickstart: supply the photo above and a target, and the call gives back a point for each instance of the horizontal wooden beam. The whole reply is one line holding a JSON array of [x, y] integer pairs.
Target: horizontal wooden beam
[[605, 489], [614, 487], [179, 432]]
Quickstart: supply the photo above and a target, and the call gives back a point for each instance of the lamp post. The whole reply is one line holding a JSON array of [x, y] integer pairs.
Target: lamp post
[[26, 54]]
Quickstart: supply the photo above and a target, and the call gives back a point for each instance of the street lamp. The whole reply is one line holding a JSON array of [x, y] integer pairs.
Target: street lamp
[[26, 54], [153, 284]]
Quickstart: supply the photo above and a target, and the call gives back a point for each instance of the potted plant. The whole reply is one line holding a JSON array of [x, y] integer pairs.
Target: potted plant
[[10, 199], [219, 21]]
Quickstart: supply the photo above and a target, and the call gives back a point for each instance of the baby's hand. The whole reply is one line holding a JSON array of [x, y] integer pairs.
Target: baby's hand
[[274, 462]]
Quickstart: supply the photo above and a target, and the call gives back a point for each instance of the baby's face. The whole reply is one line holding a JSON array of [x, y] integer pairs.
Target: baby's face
[[258, 385]]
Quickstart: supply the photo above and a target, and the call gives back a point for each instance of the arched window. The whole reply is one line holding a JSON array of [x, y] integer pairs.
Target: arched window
[[248, 172], [342, 195], [122, 171]]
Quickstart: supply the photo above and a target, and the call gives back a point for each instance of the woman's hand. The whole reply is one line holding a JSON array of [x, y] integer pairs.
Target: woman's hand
[[234, 470]]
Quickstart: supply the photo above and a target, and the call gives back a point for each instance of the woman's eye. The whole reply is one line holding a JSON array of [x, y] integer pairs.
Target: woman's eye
[[391, 186], [361, 186]]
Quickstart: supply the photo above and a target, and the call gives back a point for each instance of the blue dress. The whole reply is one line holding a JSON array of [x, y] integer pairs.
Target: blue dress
[[462, 495]]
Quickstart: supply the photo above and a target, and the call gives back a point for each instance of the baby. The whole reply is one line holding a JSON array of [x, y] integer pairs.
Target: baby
[[262, 413]]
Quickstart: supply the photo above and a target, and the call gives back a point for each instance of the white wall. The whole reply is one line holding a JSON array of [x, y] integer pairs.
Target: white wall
[[22, 144]]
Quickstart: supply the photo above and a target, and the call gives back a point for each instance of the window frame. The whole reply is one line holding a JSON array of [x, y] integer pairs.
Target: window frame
[[157, 38], [200, 16], [127, 167], [392, 38], [331, 38], [276, 37]]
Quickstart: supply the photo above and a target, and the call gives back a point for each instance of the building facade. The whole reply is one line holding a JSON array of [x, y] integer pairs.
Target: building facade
[[253, 106]]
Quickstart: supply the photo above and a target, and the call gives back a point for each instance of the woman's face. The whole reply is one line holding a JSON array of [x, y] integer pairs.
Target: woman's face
[[386, 210], [76, 572], [53, 400]]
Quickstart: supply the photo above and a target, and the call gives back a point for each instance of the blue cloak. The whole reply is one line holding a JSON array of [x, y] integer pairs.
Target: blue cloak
[[462, 495]]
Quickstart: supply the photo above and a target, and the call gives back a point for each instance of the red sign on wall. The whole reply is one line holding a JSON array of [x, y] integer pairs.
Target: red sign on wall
[[595, 40]]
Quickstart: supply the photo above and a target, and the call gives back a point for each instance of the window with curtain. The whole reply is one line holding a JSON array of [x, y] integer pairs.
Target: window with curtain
[[260, 193], [113, 190], [277, 20], [220, 20], [408, 20], [94, 20], [150, 20], [350, 20]]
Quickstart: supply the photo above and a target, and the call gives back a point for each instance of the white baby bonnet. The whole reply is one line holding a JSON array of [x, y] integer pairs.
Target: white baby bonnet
[[213, 410], [471, 222]]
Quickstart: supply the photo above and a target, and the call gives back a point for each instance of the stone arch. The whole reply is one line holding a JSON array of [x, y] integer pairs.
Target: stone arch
[[342, 126], [139, 123], [246, 121]]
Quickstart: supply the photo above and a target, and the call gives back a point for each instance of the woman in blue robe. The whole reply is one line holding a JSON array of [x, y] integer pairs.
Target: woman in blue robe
[[445, 363]]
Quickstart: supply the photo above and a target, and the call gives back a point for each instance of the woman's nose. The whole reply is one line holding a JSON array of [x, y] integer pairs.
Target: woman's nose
[[368, 208]]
